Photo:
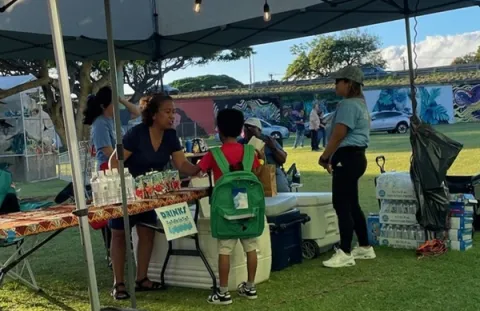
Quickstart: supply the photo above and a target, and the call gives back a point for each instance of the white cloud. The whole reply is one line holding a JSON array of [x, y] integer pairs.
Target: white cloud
[[434, 50]]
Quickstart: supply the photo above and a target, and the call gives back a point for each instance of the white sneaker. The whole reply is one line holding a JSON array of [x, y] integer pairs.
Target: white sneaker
[[340, 260], [363, 253]]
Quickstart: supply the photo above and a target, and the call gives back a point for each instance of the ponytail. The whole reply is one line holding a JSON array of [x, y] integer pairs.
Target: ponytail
[[96, 104]]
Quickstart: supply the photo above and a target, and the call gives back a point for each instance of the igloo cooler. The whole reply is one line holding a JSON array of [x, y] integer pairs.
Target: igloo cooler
[[286, 238], [184, 271]]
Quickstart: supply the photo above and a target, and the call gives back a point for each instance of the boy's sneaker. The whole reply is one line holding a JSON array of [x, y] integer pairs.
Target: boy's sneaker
[[244, 291], [340, 260], [363, 253], [220, 298]]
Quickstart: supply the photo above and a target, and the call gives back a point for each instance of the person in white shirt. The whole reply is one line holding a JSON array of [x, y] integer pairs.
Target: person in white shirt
[[314, 126]]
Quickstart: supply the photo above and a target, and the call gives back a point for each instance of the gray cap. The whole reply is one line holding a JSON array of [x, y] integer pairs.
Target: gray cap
[[349, 72]]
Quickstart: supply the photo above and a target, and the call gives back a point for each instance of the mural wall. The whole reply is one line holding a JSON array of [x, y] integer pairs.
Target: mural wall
[[436, 105], [194, 117], [466, 102]]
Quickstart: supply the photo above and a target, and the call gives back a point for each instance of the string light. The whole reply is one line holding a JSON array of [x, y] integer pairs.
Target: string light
[[197, 6], [266, 12]]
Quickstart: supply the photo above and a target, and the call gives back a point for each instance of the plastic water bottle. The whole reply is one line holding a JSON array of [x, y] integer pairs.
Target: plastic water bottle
[[129, 185], [117, 185], [112, 191], [413, 208], [383, 231], [420, 234], [398, 232], [103, 189], [405, 234], [412, 235], [391, 232], [95, 184]]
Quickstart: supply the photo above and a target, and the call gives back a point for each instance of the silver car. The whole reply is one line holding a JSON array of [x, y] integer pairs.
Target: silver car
[[276, 131], [390, 121]]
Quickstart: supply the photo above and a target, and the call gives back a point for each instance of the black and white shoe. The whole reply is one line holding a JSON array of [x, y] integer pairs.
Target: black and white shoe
[[220, 298], [244, 291]]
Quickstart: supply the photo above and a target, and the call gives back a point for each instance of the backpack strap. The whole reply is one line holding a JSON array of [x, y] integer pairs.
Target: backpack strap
[[248, 157], [220, 159]]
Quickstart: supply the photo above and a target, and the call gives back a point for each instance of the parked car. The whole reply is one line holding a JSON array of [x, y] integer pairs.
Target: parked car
[[390, 121], [276, 131]]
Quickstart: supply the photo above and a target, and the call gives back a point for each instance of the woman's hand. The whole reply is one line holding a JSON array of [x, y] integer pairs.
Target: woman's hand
[[325, 163]]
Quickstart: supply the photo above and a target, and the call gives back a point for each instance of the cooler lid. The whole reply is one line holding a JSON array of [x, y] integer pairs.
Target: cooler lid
[[310, 198]]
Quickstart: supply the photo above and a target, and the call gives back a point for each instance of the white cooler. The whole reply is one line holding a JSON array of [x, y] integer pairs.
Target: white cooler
[[322, 230], [280, 204], [191, 272]]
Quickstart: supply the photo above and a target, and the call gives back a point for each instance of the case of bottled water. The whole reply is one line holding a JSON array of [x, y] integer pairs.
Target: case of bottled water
[[462, 213]]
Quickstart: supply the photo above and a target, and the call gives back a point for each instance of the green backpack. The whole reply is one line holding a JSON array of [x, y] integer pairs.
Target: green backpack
[[237, 205]]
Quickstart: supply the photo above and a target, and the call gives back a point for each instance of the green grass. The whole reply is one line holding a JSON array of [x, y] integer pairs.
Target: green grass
[[395, 281], [391, 81]]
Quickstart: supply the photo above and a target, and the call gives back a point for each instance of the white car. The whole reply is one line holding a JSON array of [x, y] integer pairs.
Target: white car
[[390, 121]]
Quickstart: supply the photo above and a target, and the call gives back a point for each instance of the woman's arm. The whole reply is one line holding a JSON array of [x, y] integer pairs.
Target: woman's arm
[[107, 151], [338, 135], [113, 161], [133, 109], [183, 165], [279, 154]]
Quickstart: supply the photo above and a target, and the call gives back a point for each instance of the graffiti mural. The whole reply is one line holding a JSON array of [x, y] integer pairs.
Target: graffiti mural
[[194, 117], [434, 102], [466, 102], [265, 108]]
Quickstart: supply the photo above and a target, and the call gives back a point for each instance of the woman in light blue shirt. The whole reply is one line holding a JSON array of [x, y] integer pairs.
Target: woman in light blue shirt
[[344, 157]]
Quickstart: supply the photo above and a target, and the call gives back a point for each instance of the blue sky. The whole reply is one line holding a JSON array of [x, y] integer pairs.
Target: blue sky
[[275, 57]]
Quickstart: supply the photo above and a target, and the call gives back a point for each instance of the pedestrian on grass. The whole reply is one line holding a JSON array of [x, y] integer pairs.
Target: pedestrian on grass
[[322, 130], [300, 128], [344, 157], [314, 126]]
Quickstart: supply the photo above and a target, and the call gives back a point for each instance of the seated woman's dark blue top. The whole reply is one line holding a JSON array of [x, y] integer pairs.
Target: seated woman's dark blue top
[[144, 158]]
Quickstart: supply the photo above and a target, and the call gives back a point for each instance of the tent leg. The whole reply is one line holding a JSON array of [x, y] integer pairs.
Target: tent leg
[[118, 129], [73, 151], [411, 74]]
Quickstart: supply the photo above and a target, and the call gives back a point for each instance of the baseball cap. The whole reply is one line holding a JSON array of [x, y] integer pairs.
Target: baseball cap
[[255, 122], [351, 73]]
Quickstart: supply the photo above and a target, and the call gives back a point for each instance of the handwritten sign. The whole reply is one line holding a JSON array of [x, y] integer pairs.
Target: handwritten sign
[[177, 221]]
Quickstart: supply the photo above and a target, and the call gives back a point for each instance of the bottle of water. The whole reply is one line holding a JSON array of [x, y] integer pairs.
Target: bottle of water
[[413, 208], [383, 231], [95, 184], [385, 204], [112, 191], [129, 185], [393, 207], [398, 233], [412, 233], [391, 232], [103, 189], [116, 180], [420, 234], [405, 234]]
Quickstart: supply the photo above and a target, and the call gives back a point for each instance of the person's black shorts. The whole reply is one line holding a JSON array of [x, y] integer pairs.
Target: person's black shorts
[[149, 217]]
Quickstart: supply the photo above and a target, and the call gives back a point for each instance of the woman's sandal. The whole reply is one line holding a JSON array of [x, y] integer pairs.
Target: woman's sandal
[[119, 294], [141, 288]]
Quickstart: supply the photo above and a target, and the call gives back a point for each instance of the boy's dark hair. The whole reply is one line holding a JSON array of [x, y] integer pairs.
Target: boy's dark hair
[[230, 122]]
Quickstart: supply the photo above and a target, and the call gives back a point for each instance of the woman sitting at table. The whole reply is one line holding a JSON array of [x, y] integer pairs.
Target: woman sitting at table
[[147, 146]]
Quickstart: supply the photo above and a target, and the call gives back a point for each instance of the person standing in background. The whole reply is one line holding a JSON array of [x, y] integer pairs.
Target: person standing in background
[[322, 135], [314, 126], [300, 124]]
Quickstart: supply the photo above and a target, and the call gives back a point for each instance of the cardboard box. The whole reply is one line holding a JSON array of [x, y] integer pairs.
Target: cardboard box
[[461, 222], [460, 234], [373, 228], [398, 219], [460, 245]]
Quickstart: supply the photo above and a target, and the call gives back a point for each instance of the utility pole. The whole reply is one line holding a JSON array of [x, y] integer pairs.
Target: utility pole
[[404, 61]]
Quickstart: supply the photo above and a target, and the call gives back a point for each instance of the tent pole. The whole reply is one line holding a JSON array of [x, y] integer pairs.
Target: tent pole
[[120, 152], [73, 151], [411, 74]]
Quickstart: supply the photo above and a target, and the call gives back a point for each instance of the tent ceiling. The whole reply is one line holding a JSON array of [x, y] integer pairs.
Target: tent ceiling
[[177, 31]]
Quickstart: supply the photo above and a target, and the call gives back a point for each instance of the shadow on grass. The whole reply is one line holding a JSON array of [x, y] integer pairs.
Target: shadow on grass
[[54, 301]]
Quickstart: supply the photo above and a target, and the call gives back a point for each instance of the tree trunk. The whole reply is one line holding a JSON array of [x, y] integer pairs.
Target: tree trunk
[[85, 90]]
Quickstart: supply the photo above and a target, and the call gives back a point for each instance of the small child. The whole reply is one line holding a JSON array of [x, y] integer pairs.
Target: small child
[[230, 124]]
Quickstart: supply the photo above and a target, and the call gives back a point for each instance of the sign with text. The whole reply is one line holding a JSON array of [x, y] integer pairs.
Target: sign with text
[[177, 221]]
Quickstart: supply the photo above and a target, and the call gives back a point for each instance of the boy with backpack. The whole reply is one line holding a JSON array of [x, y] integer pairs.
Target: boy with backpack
[[237, 203]]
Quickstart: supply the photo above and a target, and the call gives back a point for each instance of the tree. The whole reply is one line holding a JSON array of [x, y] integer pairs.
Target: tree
[[145, 75], [470, 58], [89, 76], [206, 82], [325, 54]]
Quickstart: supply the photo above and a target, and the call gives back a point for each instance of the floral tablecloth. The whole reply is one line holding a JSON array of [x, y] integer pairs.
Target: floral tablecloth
[[60, 217]]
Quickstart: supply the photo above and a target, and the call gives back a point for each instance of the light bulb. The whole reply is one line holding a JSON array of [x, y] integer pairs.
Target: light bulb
[[197, 6], [266, 12]]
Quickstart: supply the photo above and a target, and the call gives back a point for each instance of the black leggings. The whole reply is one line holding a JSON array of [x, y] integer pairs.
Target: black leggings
[[349, 164]]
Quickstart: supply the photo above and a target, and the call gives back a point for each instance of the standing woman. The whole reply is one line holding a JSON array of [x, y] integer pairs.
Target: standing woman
[[147, 146], [314, 125], [344, 157], [99, 114], [300, 128]]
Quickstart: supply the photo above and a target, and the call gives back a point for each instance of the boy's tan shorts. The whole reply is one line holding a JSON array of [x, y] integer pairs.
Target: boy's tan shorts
[[226, 247]]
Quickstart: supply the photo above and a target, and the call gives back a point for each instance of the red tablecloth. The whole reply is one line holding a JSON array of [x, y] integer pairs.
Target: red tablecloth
[[61, 217]]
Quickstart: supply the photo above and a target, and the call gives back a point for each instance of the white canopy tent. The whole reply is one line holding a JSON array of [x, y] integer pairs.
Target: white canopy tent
[[158, 29]]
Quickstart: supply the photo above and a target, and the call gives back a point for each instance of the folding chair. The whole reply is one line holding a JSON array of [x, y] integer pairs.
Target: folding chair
[[293, 177], [18, 272]]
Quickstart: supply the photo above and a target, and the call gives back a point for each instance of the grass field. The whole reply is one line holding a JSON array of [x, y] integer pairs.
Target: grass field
[[394, 281]]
